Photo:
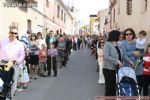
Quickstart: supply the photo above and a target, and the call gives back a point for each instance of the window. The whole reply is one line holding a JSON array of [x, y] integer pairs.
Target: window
[[64, 18], [106, 20], [114, 16], [29, 24], [60, 31], [129, 7], [118, 7], [57, 31], [58, 11], [47, 3], [146, 5], [62, 14]]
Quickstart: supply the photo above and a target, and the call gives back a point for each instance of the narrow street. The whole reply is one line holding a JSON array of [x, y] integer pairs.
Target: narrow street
[[77, 81], [37, 32]]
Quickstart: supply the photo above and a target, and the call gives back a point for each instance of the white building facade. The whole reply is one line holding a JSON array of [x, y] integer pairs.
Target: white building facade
[[39, 16], [103, 18], [130, 13]]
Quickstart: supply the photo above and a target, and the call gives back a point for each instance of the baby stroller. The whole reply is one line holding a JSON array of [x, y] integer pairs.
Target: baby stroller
[[6, 79], [126, 82]]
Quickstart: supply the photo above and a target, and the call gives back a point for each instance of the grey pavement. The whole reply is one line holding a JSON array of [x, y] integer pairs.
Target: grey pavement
[[77, 81]]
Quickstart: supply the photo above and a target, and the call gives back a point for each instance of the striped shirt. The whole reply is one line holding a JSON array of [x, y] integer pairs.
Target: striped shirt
[[25, 40]]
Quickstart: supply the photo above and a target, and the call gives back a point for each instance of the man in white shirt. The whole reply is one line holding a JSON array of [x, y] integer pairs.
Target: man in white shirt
[[12, 49]]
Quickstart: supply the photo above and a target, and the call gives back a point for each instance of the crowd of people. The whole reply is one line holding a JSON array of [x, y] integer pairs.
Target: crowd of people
[[122, 49], [35, 56]]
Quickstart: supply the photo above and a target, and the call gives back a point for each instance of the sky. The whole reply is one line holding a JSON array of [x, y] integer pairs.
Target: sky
[[87, 7]]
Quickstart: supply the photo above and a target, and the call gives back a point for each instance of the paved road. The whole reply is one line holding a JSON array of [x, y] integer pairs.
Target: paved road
[[77, 81]]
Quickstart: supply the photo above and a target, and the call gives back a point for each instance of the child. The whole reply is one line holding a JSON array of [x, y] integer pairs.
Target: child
[[23, 77], [100, 61], [146, 76], [141, 41], [140, 46], [42, 60], [51, 60]]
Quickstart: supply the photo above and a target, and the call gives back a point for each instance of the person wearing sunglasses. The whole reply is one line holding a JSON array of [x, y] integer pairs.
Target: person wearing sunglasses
[[113, 60], [128, 45], [129, 48], [11, 49]]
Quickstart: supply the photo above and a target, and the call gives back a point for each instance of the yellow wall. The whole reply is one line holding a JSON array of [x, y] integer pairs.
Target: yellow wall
[[92, 21]]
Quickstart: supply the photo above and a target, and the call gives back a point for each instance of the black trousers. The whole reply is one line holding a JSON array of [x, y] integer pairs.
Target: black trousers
[[7, 77], [146, 84], [110, 82], [65, 58], [140, 82], [79, 46], [51, 62], [74, 46], [27, 63]]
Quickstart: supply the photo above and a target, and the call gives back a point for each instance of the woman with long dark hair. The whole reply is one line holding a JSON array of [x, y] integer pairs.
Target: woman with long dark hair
[[114, 57], [34, 56]]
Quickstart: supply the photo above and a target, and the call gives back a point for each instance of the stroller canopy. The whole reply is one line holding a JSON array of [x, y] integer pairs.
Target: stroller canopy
[[128, 72]]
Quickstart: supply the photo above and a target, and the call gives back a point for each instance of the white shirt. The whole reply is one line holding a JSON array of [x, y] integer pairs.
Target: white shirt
[[12, 50], [140, 43], [40, 42], [100, 55]]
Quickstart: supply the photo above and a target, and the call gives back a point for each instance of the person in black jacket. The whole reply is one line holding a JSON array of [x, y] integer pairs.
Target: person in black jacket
[[47, 40]]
